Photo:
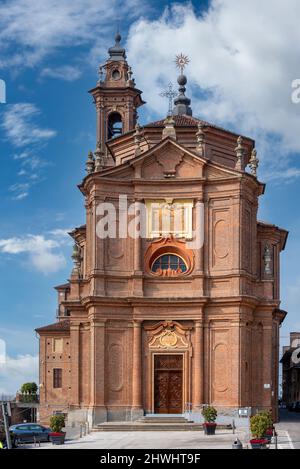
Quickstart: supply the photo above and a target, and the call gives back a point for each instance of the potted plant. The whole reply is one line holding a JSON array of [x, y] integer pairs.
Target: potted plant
[[209, 414], [57, 422], [259, 424], [269, 432]]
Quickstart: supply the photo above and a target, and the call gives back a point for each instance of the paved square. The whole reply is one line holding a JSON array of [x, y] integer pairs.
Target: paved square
[[149, 440]]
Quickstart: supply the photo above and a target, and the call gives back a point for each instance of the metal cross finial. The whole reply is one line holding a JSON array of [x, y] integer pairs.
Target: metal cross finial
[[170, 94], [181, 61]]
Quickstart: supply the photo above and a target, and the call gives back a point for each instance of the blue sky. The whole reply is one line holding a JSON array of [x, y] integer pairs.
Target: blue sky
[[239, 76]]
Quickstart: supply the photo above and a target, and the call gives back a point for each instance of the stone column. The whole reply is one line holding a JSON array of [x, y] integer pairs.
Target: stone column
[[198, 366], [98, 251], [267, 365], [137, 407], [75, 344], [101, 137], [97, 383], [138, 281], [137, 240], [236, 350]]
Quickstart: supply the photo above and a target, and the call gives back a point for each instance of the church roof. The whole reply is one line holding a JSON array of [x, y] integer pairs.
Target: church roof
[[184, 120], [60, 326]]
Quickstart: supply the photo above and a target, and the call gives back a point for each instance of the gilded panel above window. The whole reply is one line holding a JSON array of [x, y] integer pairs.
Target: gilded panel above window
[[169, 217]]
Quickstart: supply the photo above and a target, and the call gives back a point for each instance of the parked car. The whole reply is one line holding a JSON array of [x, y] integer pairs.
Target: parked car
[[29, 433]]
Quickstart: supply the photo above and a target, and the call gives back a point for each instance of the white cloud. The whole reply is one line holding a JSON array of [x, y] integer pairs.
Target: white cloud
[[40, 28], [21, 196], [66, 72], [282, 176], [62, 234], [20, 128], [243, 58], [43, 254], [22, 155], [22, 131], [16, 371]]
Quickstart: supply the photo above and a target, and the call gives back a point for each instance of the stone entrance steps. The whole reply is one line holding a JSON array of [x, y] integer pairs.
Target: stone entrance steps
[[154, 422], [146, 427], [150, 424], [163, 419]]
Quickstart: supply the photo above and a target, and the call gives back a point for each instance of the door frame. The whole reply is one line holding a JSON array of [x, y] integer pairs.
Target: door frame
[[185, 376]]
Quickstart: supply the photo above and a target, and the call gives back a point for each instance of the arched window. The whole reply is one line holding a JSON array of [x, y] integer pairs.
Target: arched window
[[114, 125], [169, 265]]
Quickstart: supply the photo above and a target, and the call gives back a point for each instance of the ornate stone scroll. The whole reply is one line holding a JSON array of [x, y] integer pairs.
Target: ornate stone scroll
[[168, 335]]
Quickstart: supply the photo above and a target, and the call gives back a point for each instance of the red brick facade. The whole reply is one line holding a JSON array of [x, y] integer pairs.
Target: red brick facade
[[221, 314]]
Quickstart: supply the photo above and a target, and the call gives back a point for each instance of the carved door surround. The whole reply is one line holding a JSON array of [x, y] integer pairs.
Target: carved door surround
[[167, 339]]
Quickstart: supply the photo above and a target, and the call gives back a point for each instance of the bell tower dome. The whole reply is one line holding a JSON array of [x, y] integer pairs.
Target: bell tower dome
[[115, 96]]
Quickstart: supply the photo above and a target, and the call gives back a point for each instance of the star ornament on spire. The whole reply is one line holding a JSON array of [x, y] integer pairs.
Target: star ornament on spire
[[181, 61]]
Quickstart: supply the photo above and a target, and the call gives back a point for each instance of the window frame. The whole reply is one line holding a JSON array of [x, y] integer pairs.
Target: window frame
[[170, 254], [57, 380]]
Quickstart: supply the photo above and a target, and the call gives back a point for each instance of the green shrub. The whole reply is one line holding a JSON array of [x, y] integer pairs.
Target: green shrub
[[268, 416], [57, 423], [209, 413], [260, 423]]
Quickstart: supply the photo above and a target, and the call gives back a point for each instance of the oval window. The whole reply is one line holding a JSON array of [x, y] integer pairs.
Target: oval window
[[169, 264], [116, 74]]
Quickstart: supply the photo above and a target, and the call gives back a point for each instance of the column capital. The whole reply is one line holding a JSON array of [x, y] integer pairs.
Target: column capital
[[198, 322], [137, 323], [97, 323]]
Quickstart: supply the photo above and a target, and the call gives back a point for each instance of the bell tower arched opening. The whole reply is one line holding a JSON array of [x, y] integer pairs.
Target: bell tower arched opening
[[114, 125]]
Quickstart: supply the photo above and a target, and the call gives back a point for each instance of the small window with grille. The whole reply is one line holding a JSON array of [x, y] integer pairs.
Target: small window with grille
[[57, 378]]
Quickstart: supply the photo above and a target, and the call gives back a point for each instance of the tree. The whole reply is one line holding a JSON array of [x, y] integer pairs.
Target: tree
[[29, 388]]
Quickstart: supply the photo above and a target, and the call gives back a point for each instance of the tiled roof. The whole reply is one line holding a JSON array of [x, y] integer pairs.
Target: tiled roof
[[188, 121], [60, 326], [182, 121]]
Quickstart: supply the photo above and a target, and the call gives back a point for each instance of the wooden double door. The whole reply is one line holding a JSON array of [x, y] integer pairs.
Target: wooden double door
[[168, 384]]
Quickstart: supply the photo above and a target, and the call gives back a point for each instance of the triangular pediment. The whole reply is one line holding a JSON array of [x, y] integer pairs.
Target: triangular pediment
[[169, 159]]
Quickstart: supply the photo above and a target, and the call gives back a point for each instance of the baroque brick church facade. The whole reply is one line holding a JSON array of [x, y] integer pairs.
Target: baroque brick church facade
[[188, 312]]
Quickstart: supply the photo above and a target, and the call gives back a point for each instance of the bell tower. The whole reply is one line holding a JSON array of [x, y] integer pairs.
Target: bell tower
[[115, 96]]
